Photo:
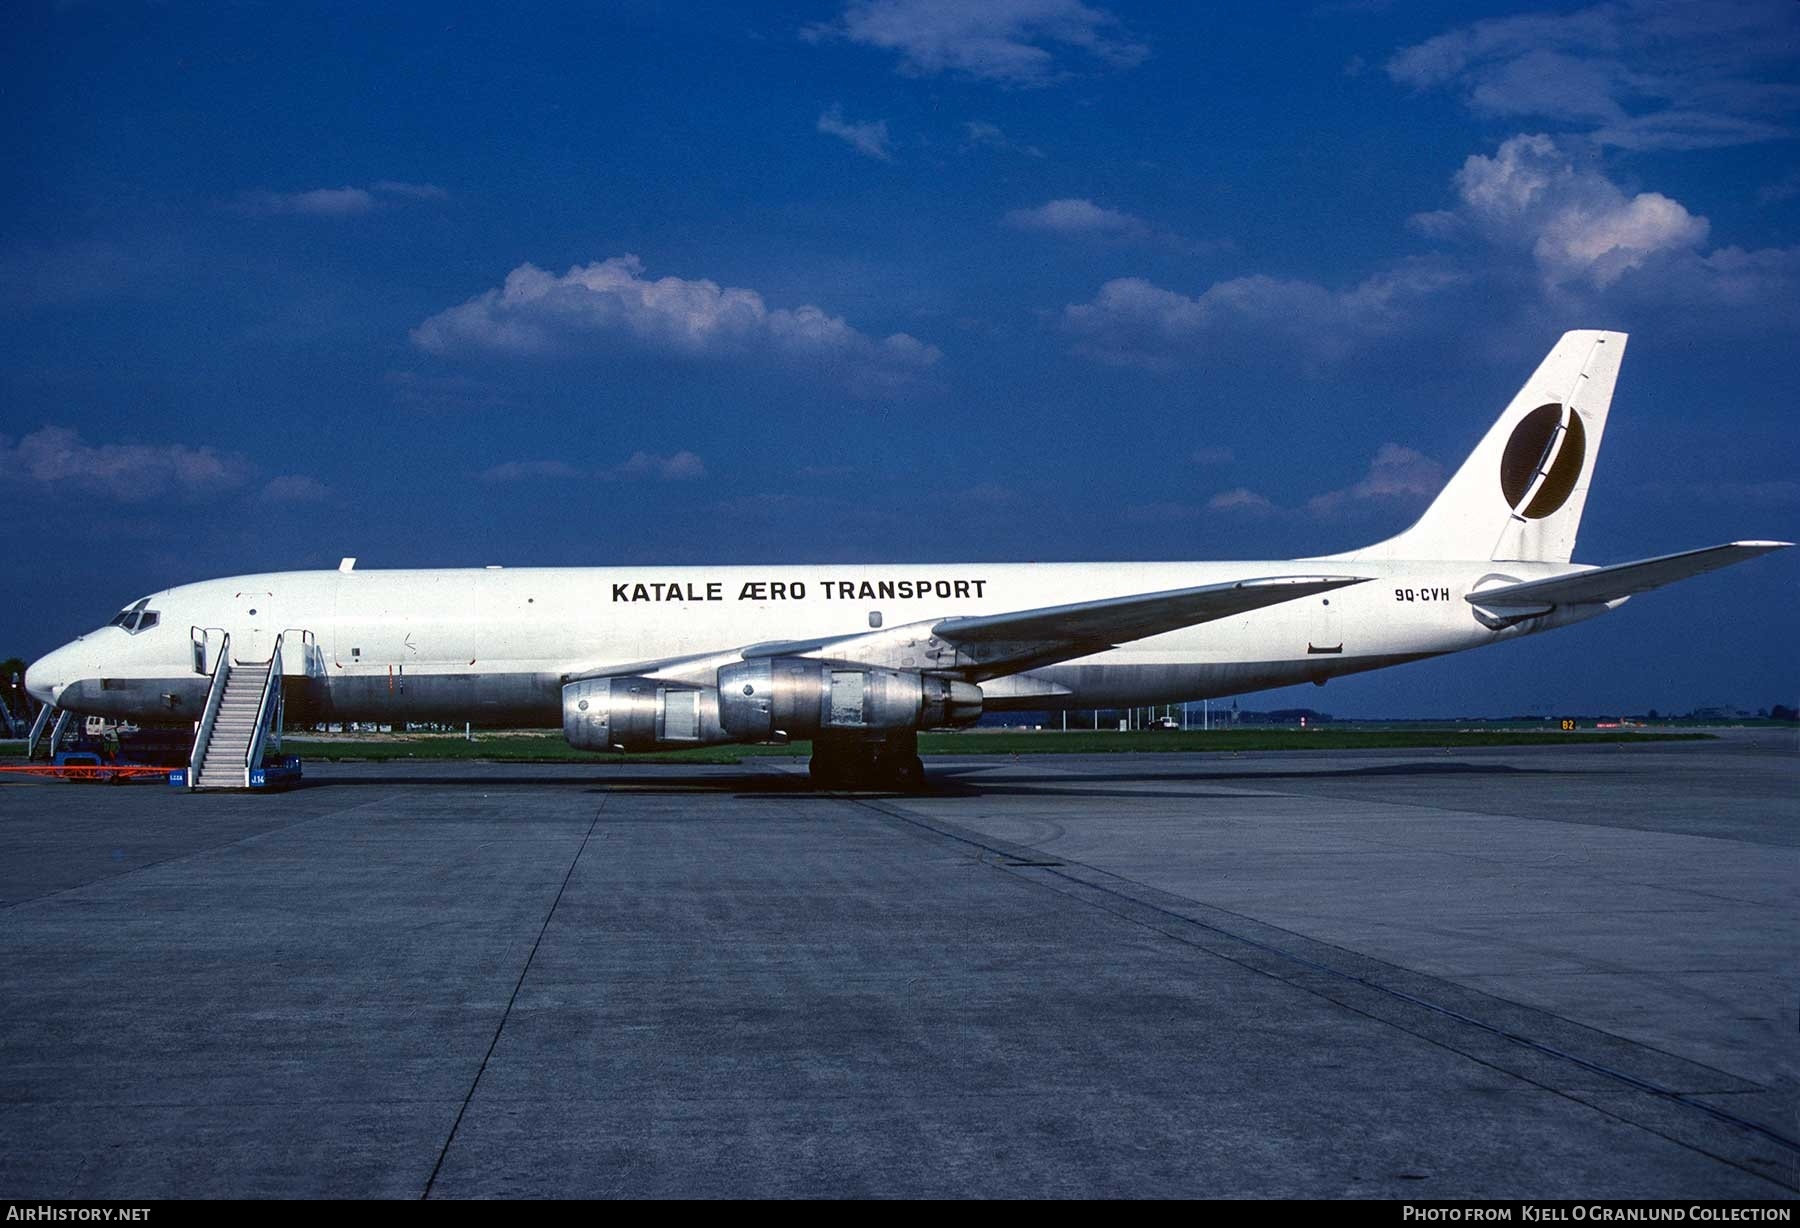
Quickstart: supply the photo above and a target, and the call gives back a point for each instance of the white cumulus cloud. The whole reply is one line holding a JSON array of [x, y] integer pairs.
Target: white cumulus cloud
[[532, 471], [1397, 473], [1011, 42], [1239, 499], [1397, 477], [537, 312], [295, 488], [869, 138], [414, 191], [56, 458], [341, 202], [682, 466], [1577, 223], [1134, 322], [980, 134], [1637, 74], [1071, 216], [1538, 199]]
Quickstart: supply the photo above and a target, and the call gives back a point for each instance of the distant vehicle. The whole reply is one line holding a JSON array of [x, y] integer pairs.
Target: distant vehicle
[[1162, 722], [860, 658]]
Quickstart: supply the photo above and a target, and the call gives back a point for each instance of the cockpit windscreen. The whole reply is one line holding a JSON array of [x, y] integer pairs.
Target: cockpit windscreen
[[135, 618]]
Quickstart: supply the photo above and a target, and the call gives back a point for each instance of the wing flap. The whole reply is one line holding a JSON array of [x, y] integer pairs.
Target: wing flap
[[1600, 584], [1115, 620]]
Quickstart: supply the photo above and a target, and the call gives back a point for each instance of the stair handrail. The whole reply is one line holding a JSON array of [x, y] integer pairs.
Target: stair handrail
[[59, 728], [209, 715], [265, 705], [309, 646], [202, 638], [45, 716]]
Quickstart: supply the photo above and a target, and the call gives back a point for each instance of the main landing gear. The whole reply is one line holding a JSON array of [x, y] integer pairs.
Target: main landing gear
[[890, 764]]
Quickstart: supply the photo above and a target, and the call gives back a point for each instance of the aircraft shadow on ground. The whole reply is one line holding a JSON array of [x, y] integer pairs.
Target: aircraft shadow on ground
[[958, 780]]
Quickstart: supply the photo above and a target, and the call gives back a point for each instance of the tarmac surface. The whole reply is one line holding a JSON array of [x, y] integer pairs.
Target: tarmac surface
[[1540, 972]]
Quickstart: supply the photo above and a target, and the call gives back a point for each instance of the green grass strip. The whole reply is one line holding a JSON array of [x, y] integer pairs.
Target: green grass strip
[[549, 748]]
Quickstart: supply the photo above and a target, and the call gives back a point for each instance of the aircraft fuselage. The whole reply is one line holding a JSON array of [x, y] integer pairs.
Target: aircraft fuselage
[[495, 645]]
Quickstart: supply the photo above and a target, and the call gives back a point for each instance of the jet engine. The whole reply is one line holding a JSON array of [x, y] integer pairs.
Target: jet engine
[[640, 714], [799, 697]]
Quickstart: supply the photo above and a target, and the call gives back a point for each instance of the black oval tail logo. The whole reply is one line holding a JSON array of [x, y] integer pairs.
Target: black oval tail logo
[[1542, 444]]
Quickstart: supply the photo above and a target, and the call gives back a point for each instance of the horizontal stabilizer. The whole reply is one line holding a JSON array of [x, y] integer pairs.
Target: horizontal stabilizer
[[1118, 620], [1600, 584]]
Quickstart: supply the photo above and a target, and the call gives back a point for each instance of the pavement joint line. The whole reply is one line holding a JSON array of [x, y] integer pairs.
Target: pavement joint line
[[1577, 1095], [506, 1014], [1571, 1094], [1475, 811], [1596, 875], [1635, 1083], [230, 842]]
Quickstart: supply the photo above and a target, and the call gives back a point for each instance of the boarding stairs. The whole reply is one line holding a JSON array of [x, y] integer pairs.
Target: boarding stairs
[[48, 731], [242, 715]]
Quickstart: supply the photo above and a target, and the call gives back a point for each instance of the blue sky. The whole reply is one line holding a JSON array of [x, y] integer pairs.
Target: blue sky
[[896, 279]]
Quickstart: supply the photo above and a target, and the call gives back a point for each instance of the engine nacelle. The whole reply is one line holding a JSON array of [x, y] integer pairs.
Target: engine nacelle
[[800, 697], [639, 714]]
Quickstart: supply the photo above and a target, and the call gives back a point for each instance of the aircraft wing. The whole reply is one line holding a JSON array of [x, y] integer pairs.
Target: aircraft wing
[[1116, 620], [984, 646], [1601, 584]]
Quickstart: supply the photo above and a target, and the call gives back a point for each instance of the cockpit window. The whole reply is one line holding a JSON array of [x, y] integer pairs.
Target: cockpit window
[[135, 618]]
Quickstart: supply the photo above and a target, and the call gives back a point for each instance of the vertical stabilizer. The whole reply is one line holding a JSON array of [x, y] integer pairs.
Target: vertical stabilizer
[[1520, 494]]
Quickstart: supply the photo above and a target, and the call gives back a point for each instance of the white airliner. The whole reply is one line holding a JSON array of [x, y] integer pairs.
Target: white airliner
[[860, 658]]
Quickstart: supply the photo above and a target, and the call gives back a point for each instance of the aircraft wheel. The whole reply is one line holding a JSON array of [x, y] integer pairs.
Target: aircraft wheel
[[867, 767], [907, 773], [828, 771]]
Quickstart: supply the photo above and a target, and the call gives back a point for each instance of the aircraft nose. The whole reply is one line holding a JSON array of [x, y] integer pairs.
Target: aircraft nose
[[46, 677]]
